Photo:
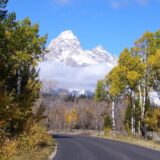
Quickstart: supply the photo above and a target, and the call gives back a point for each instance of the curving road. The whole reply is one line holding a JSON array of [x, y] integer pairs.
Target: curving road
[[90, 148]]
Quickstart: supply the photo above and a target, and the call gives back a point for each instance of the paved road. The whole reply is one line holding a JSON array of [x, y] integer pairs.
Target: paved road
[[90, 148]]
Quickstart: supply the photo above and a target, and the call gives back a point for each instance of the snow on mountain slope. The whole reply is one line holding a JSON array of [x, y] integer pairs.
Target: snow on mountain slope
[[72, 67], [66, 48]]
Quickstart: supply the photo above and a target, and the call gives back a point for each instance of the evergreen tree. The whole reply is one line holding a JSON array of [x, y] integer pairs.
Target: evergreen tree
[[3, 12], [100, 93], [21, 48]]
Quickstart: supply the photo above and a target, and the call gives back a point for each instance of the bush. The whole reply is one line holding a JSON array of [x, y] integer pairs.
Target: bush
[[8, 149], [152, 119], [27, 145], [33, 139], [107, 124]]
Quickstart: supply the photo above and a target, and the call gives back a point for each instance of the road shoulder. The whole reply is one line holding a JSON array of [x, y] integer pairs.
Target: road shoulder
[[53, 154]]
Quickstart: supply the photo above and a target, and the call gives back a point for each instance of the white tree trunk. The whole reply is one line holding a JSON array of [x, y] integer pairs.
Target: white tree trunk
[[142, 108], [132, 124], [144, 98], [133, 118], [140, 100], [113, 115]]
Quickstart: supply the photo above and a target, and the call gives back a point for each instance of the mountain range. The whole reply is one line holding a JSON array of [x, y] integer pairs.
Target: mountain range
[[67, 65]]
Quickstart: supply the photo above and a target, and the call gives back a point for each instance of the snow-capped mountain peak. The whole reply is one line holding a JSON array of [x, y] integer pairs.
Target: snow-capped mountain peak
[[65, 41], [99, 48], [68, 35], [66, 48]]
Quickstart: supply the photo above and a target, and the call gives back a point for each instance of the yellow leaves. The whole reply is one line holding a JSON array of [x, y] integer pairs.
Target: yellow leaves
[[131, 62], [31, 139], [68, 118], [71, 116], [153, 119], [25, 145], [124, 57], [9, 149], [154, 64], [114, 90], [26, 22], [128, 72], [133, 77], [117, 79], [154, 60], [147, 37]]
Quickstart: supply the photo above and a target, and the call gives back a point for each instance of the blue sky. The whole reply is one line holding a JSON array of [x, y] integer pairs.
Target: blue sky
[[115, 24]]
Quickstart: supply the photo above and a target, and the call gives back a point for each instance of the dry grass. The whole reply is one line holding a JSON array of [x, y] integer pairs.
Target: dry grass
[[40, 154], [116, 137], [133, 140], [36, 144]]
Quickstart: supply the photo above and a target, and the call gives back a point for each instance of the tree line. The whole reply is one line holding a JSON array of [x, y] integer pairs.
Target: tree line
[[65, 112]]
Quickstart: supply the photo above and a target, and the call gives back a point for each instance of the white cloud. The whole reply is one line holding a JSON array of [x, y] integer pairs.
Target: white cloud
[[119, 3], [143, 2], [73, 77], [62, 2], [116, 4]]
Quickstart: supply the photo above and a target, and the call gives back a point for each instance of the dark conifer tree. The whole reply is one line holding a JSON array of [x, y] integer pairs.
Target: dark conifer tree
[[3, 12]]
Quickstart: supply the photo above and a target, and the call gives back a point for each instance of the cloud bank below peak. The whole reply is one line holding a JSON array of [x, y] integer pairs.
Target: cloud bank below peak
[[67, 77], [69, 66]]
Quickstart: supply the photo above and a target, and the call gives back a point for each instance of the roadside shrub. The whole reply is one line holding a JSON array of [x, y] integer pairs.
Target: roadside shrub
[[152, 119], [107, 124], [127, 128], [35, 138], [27, 146], [8, 149]]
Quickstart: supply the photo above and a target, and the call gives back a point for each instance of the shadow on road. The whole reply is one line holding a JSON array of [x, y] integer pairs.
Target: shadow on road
[[56, 136]]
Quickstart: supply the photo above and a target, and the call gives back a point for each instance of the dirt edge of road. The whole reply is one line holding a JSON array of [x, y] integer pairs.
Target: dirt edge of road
[[53, 154]]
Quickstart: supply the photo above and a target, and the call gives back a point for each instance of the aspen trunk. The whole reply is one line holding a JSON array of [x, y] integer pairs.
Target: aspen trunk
[[133, 118], [142, 108], [113, 114]]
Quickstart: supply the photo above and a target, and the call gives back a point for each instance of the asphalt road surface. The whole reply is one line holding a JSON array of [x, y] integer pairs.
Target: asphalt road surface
[[90, 148]]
